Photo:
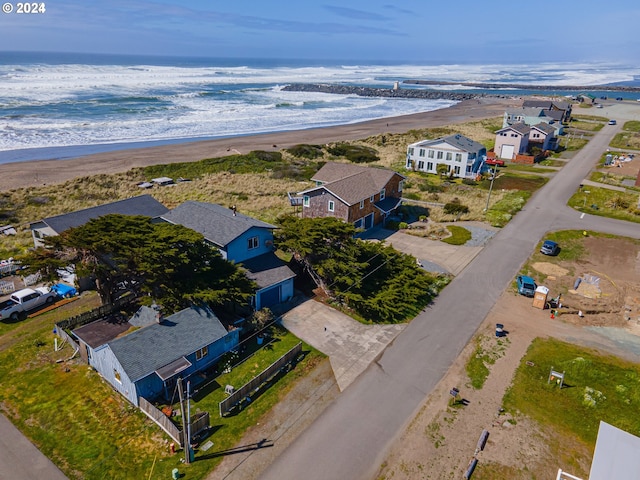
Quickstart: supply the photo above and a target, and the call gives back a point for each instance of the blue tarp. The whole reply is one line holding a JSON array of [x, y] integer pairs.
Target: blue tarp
[[63, 290]]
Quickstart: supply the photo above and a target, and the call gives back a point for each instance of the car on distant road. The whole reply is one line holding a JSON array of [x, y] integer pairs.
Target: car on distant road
[[549, 247], [619, 99], [599, 105], [612, 122]]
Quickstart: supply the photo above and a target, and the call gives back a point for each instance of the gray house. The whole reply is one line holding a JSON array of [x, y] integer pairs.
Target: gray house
[[148, 361], [241, 239], [142, 205]]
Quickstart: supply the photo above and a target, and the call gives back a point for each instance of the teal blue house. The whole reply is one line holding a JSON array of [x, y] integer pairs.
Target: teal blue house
[[148, 361]]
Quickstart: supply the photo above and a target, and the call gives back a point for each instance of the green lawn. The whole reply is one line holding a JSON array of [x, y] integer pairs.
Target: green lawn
[[92, 432], [596, 387], [607, 203], [459, 235]]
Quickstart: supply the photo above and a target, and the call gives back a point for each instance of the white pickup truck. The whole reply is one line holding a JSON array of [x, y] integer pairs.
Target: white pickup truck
[[22, 301]]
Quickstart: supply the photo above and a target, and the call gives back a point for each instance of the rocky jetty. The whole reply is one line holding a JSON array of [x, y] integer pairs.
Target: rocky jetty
[[517, 86], [381, 92]]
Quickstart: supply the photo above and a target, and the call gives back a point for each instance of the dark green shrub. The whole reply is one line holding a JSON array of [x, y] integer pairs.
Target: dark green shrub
[[354, 153], [306, 151], [454, 207]]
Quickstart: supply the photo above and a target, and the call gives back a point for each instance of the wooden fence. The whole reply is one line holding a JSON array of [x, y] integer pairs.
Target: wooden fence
[[161, 419], [254, 384], [6, 288], [199, 422]]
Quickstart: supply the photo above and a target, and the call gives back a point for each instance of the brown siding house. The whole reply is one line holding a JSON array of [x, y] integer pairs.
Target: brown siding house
[[363, 196]]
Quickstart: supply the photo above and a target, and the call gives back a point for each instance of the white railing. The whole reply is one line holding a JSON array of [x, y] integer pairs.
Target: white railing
[[6, 288], [566, 476]]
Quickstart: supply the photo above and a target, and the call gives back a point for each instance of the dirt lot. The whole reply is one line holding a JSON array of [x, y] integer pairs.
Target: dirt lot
[[440, 442]]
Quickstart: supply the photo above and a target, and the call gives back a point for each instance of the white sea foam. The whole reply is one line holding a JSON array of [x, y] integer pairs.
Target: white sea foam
[[60, 105]]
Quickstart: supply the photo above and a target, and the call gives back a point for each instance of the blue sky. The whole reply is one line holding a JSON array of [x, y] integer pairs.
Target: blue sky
[[415, 31]]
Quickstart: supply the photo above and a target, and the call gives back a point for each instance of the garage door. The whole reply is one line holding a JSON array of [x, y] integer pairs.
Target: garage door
[[270, 297], [507, 152]]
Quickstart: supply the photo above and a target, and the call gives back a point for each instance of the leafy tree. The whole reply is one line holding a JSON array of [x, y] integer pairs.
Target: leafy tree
[[168, 263], [377, 282], [442, 169]]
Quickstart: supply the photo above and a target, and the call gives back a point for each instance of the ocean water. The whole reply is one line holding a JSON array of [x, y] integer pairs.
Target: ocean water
[[65, 105]]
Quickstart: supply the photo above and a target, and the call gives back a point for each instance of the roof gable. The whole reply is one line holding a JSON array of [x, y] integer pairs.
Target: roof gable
[[457, 141], [544, 128], [216, 223], [144, 351], [357, 183], [520, 128], [142, 205]]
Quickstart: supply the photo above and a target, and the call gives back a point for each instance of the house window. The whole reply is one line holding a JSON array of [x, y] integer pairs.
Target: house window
[[411, 151], [358, 223], [457, 170], [449, 155], [430, 167], [382, 194], [536, 135], [431, 153], [458, 157], [420, 165], [400, 185], [361, 204], [305, 201], [332, 205], [422, 152], [372, 198], [409, 162], [116, 375], [440, 155], [253, 243], [203, 352]]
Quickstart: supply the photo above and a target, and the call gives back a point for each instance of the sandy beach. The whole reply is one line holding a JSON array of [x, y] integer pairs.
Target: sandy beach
[[48, 172]]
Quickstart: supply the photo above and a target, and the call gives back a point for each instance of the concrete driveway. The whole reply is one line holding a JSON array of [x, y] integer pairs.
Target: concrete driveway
[[434, 255], [350, 345]]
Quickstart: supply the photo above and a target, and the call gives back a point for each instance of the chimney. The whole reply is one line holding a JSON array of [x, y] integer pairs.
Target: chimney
[[158, 312], [234, 209]]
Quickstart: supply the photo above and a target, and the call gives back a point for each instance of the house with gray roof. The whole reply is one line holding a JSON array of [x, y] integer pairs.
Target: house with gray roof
[[462, 155], [512, 140], [533, 116], [243, 240], [141, 205], [147, 361], [551, 106], [543, 136], [363, 196]]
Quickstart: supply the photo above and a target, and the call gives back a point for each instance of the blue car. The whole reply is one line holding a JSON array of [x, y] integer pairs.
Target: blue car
[[549, 247]]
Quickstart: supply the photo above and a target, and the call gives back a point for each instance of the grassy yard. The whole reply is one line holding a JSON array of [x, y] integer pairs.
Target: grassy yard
[[607, 203], [596, 388], [92, 432], [459, 235]]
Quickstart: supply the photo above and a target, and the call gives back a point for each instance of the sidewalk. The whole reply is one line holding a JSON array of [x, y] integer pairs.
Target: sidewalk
[[20, 459]]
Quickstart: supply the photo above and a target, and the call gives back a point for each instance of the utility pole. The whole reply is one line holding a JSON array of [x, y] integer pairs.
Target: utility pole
[[185, 421], [493, 177]]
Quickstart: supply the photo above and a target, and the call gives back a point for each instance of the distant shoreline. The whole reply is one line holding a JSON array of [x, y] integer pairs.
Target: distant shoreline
[[56, 171], [518, 86]]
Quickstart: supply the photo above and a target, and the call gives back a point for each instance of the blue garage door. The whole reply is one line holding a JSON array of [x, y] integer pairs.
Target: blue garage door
[[270, 297]]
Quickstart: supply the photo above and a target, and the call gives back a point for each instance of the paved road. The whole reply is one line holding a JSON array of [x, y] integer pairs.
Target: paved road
[[20, 459], [352, 437]]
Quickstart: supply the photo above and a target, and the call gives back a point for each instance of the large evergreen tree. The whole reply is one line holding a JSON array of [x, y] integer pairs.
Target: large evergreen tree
[[168, 263], [376, 281]]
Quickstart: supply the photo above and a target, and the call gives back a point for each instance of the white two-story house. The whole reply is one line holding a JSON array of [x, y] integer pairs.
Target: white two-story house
[[462, 156]]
